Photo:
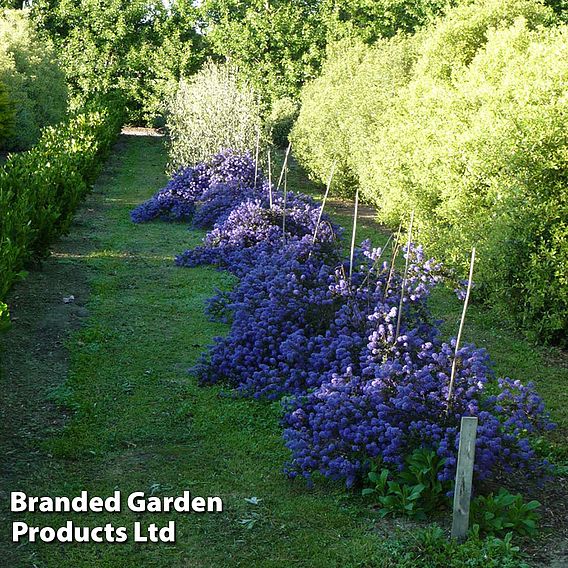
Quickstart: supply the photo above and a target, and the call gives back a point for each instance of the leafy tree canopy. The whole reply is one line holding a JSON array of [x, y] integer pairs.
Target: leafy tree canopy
[[137, 46]]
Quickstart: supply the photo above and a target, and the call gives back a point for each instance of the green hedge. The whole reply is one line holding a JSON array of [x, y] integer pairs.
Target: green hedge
[[464, 123], [40, 189]]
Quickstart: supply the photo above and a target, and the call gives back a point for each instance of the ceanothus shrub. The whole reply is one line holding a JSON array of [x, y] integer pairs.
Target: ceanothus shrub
[[397, 402], [221, 182], [297, 318], [253, 224], [361, 383]]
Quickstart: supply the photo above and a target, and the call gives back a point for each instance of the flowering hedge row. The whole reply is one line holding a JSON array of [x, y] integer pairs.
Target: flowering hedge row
[[360, 382]]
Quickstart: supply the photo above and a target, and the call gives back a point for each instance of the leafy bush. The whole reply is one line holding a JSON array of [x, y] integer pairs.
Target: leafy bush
[[137, 47], [35, 83], [40, 189], [462, 123], [6, 114], [281, 118], [497, 515], [210, 112], [412, 492], [430, 548], [356, 87], [279, 45]]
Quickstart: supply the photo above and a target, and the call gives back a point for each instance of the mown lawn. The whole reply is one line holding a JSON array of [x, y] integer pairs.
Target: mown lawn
[[141, 423]]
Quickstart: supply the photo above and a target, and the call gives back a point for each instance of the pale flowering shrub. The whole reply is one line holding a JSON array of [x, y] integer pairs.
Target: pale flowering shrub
[[210, 112]]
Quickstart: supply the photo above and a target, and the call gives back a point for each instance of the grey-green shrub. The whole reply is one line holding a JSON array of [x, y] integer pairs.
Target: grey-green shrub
[[35, 83], [209, 112], [467, 128]]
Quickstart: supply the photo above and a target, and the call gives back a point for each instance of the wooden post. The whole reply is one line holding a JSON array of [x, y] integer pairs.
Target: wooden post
[[464, 477], [354, 233]]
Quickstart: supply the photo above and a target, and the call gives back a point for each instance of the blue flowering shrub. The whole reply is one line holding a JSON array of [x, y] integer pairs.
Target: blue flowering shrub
[[350, 349], [253, 226], [398, 402], [297, 318], [219, 183]]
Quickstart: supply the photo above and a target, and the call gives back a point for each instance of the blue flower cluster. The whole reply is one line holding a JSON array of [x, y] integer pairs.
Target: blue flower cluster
[[252, 226], [352, 351], [397, 402], [297, 318], [225, 178]]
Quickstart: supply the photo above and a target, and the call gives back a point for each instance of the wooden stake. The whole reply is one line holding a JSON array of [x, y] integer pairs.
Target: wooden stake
[[354, 232], [256, 156], [464, 477], [458, 339], [324, 200], [396, 247], [284, 165], [284, 208], [270, 178], [399, 315]]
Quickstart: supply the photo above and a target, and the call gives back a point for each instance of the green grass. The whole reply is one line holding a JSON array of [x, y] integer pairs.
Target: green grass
[[141, 423], [140, 420]]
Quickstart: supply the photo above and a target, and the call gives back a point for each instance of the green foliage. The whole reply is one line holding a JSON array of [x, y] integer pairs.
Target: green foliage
[[340, 108], [6, 115], [279, 45], [413, 492], [431, 548], [30, 72], [370, 20], [212, 111], [40, 189], [4, 317], [497, 515], [140, 48], [462, 123], [281, 118]]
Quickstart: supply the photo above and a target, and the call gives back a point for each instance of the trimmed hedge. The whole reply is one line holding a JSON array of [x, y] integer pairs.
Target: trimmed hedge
[[40, 189], [464, 123]]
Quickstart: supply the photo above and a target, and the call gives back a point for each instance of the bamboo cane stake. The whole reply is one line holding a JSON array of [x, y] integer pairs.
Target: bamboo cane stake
[[393, 259], [354, 232], [284, 165], [256, 156], [324, 200], [284, 208], [270, 179], [458, 339], [405, 276]]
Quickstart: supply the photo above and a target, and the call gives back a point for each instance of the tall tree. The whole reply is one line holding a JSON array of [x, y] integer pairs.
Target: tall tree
[[137, 46], [280, 44]]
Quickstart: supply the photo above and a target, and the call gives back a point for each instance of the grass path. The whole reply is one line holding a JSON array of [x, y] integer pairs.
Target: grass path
[[140, 423], [108, 404]]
